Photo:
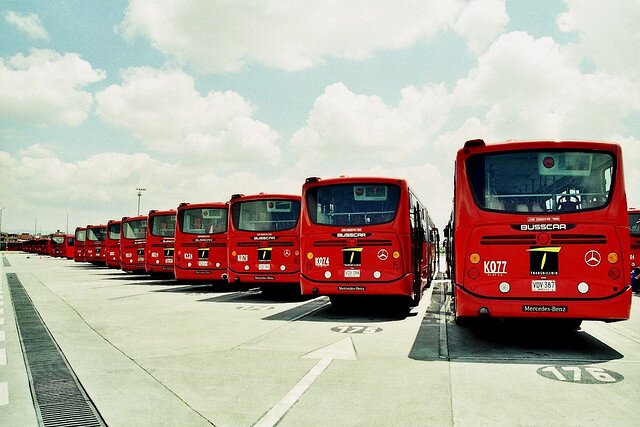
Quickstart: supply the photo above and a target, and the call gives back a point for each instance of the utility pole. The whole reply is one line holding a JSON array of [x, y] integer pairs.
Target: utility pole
[[1, 236], [140, 190]]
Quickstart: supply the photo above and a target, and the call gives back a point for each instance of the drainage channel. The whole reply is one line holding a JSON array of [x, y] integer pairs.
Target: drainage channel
[[59, 397]]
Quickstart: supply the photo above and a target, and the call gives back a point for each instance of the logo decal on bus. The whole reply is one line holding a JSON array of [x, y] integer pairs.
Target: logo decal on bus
[[264, 254], [352, 257], [351, 235], [592, 258], [543, 261], [203, 253], [543, 227], [243, 258], [495, 268]]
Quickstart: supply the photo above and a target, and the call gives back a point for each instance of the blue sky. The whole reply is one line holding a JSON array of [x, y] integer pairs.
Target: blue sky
[[197, 100]]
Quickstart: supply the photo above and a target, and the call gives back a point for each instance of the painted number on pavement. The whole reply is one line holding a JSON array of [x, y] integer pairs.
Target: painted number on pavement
[[255, 307], [353, 329], [580, 374]]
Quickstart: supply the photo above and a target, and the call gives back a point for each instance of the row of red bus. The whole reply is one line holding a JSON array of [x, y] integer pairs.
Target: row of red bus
[[350, 236], [538, 229]]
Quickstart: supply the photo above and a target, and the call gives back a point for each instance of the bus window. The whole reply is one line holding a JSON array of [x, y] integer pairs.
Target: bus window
[[353, 204], [203, 221], [266, 215], [163, 225], [135, 229], [535, 182]]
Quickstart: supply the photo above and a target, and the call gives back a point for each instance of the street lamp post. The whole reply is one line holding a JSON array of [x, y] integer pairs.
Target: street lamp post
[[140, 190], [2, 239]]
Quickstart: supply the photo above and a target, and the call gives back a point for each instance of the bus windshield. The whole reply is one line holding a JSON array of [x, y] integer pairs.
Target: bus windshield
[[96, 234], [634, 224], [81, 235], [114, 231], [203, 221], [163, 225], [353, 204], [535, 181], [57, 239], [135, 229], [266, 215]]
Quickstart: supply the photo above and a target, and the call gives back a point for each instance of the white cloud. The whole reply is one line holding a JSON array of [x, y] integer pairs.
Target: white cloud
[[102, 187], [608, 33], [163, 109], [347, 127], [45, 88], [29, 24], [533, 88], [480, 22], [290, 35], [36, 151]]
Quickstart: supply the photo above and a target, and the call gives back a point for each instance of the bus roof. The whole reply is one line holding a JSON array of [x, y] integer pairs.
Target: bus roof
[[263, 196], [354, 179], [481, 145]]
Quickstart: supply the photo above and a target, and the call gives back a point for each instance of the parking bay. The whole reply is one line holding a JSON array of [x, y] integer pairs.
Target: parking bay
[[151, 352]]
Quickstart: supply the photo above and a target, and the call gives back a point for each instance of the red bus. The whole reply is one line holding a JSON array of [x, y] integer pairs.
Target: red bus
[[540, 230], [58, 244], [80, 237], [264, 240], [634, 229], [132, 237], [201, 241], [69, 246], [161, 229], [112, 244], [43, 246], [365, 236], [94, 244]]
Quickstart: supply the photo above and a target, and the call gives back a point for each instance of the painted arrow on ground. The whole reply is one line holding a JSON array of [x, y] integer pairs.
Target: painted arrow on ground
[[342, 349]]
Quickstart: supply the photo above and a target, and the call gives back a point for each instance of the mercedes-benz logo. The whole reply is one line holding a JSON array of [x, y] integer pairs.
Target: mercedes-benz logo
[[287, 253], [592, 258], [383, 254]]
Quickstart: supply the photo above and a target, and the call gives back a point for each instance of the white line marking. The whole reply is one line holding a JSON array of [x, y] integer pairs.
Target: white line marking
[[342, 349], [3, 336], [1, 321], [1, 310], [4, 394], [3, 357]]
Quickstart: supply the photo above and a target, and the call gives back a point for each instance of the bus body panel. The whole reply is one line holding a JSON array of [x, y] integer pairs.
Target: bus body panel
[[536, 263], [200, 245], [389, 258], [132, 240], [159, 242], [265, 256], [80, 236], [94, 244], [112, 244]]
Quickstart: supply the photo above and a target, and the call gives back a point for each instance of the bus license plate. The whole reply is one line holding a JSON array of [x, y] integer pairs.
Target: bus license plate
[[203, 263], [264, 266], [543, 285], [352, 273]]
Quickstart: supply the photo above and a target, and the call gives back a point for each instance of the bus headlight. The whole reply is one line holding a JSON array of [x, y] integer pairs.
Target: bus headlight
[[376, 274], [327, 275], [504, 287], [246, 267], [583, 287], [283, 268]]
